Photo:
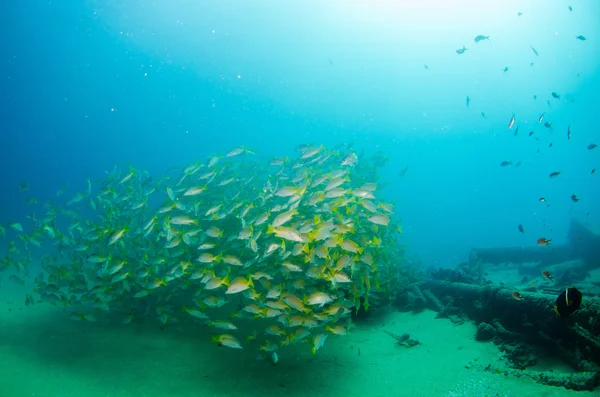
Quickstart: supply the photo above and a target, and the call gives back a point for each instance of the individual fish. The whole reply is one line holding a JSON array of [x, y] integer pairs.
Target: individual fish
[[580, 37], [117, 235], [505, 163], [426, 67], [517, 296], [461, 51], [404, 171], [380, 219], [592, 146], [568, 302], [483, 115], [468, 101], [574, 198], [546, 274], [569, 132], [505, 69], [516, 131], [543, 241], [521, 229], [548, 125], [534, 50], [24, 186], [318, 342], [511, 122], [555, 95], [530, 133], [541, 118], [227, 340], [554, 174], [593, 171], [350, 159], [519, 14], [532, 284], [480, 37]]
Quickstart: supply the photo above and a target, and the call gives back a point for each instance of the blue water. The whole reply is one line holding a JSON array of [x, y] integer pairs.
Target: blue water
[[86, 85]]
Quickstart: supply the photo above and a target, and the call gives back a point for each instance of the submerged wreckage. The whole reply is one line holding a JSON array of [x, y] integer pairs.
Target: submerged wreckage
[[525, 314]]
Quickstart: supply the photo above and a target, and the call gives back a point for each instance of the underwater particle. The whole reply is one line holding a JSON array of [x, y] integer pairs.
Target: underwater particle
[[574, 198], [592, 146], [505, 163], [517, 296], [481, 37], [568, 302], [461, 51], [521, 229], [580, 37], [543, 241]]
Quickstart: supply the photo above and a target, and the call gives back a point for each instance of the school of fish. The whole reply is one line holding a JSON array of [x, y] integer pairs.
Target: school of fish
[[263, 254]]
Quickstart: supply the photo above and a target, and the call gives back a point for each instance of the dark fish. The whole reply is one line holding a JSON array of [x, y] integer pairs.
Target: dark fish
[[29, 300], [468, 101], [530, 133], [574, 198], [547, 125], [520, 227], [480, 38], [568, 302], [483, 115], [461, 51], [582, 38], [554, 174], [519, 14], [569, 133], [555, 95], [550, 145], [24, 186], [531, 64], [535, 97], [505, 69], [404, 171], [517, 296], [592, 146], [543, 241], [517, 131], [505, 163], [593, 172], [542, 200], [426, 67], [545, 273], [534, 51], [570, 8]]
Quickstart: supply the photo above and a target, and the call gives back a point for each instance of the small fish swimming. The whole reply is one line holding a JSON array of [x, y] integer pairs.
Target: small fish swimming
[[554, 174], [541, 118], [481, 37], [582, 38], [521, 229], [517, 296], [593, 171], [548, 125], [546, 274], [592, 146], [505, 163], [534, 51], [461, 51], [468, 101], [569, 133], [574, 198], [505, 69], [555, 95], [511, 122], [543, 241]]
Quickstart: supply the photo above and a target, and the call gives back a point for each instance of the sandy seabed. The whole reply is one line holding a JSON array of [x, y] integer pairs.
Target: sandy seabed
[[43, 353]]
